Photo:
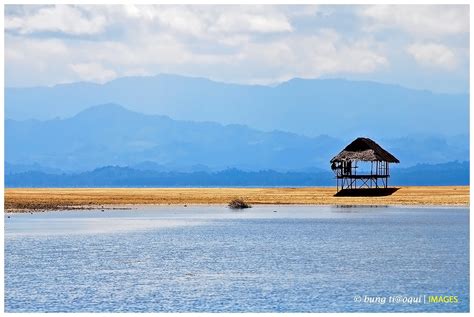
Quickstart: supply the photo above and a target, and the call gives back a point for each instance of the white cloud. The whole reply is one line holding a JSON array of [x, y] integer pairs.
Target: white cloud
[[178, 19], [59, 18], [306, 56], [94, 72], [246, 44], [34, 51], [433, 55], [309, 56], [247, 22], [204, 20], [429, 21]]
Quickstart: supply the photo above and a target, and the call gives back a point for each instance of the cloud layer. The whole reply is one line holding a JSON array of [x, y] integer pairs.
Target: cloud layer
[[46, 45]]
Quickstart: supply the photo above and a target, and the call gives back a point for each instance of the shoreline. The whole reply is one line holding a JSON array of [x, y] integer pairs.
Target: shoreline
[[42, 199]]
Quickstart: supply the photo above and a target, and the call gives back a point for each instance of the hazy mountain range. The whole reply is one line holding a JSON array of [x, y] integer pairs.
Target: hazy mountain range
[[164, 124], [336, 107], [112, 135], [454, 173]]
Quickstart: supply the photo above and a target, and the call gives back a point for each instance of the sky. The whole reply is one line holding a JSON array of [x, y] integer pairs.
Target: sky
[[417, 46]]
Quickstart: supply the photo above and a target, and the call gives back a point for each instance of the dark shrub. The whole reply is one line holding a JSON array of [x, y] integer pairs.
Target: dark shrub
[[238, 203]]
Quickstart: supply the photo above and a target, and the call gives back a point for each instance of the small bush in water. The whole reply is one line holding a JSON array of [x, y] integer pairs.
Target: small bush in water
[[238, 203]]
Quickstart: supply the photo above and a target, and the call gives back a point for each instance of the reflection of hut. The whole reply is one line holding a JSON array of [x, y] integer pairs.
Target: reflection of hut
[[362, 151]]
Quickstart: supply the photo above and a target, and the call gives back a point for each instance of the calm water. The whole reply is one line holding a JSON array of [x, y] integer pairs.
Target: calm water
[[195, 259]]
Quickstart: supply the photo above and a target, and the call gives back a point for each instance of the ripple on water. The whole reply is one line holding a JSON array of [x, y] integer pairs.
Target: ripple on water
[[203, 259]]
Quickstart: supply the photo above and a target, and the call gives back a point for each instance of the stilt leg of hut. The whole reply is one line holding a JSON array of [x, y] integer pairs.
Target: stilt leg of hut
[[376, 173]]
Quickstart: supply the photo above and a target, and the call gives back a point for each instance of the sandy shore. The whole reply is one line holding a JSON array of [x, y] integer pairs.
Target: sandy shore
[[26, 199]]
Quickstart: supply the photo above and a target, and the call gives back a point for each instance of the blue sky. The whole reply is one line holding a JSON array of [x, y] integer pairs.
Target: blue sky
[[424, 47]]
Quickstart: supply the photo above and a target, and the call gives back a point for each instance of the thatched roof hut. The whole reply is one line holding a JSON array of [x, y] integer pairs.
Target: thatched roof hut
[[346, 165], [364, 149]]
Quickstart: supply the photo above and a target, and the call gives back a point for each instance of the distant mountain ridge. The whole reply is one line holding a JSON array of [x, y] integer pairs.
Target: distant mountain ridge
[[453, 173], [336, 107], [112, 135]]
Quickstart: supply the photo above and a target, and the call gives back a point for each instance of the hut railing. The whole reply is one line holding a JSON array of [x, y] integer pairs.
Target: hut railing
[[347, 175]]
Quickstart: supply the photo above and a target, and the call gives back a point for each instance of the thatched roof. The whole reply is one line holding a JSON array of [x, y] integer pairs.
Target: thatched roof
[[364, 149]]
